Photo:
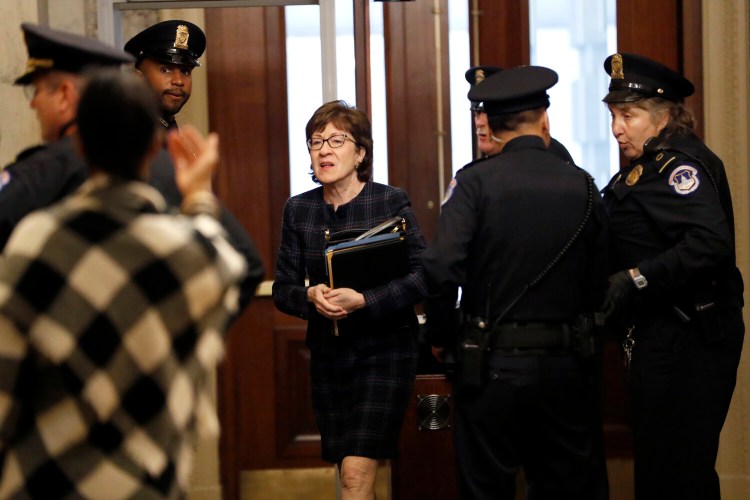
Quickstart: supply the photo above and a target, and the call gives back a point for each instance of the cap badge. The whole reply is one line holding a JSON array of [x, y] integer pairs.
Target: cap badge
[[181, 37], [478, 76], [33, 64], [634, 175], [617, 73]]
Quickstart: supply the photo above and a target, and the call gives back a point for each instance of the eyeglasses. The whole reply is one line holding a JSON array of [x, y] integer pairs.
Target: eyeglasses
[[335, 142], [30, 91]]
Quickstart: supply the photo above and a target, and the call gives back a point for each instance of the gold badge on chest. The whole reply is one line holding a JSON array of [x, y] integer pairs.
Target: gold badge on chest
[[634, 175]]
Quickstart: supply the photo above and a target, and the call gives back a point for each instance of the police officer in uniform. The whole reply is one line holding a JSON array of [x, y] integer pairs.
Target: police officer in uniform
[[165, 56], [488, 143], [522, 234], [44, 174], [676, 290]]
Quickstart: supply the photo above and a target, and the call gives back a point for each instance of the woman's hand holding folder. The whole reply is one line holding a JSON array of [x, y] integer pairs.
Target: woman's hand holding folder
[[349, 299], [317, 295]]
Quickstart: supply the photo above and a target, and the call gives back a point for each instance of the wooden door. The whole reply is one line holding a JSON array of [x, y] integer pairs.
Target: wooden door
[[264, 385]]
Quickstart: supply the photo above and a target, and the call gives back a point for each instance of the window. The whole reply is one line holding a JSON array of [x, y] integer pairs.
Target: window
[[573, 37], [458, 55], [304, 82]]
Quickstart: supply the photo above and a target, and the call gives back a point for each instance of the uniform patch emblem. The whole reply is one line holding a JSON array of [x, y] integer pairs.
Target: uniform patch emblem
[[449, 191], [684, 179], [634, 175], [4, 179]]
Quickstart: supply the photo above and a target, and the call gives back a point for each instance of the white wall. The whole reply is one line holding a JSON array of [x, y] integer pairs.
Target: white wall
[[18, 126]]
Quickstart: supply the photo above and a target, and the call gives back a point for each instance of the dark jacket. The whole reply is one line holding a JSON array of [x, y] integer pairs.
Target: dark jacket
[[301, 255], [506, 220], [39, 177], [671, 216]]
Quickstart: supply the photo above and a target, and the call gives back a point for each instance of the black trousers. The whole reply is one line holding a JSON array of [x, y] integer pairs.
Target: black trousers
[[541, 413], [681, 388]]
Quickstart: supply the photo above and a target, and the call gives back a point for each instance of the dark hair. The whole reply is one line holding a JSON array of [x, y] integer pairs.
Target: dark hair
[[681, 119], [117, 121], [511, 121], [354, 122]]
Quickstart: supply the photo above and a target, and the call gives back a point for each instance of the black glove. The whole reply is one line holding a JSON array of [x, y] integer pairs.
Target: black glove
[[619, 295]]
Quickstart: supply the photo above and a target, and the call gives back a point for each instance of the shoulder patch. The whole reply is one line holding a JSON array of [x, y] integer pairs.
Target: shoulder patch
[[449, 191], [684, 179], [4, 179]]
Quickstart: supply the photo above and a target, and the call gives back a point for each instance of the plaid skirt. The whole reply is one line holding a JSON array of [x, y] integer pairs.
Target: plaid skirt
[[361, 388]]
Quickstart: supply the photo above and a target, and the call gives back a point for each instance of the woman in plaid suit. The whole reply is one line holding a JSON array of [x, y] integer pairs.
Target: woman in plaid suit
[[362, 380]]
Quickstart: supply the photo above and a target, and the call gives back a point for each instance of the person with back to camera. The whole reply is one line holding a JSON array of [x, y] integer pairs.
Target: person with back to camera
[[489, 144], [523, 235], [362, 380], [112, 315], [676, 292]]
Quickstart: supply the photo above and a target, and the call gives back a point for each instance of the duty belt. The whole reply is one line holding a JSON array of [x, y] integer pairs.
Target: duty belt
[[552, 336]]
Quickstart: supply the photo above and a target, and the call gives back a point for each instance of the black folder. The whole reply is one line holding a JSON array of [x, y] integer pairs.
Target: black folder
[[365, 264], [373, 259]]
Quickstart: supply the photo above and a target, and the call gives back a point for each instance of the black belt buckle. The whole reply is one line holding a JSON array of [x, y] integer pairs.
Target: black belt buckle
[[540, 339]]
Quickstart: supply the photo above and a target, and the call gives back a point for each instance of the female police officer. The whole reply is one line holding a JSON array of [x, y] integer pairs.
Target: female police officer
[[676, 288]]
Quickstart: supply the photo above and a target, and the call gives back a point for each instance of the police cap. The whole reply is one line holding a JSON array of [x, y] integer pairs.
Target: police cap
[[50, 49], [174, 42], [514, 90], [635, 77], [475, 75]]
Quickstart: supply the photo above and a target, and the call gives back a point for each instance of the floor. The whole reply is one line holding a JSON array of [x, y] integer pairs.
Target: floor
[[320, 483]]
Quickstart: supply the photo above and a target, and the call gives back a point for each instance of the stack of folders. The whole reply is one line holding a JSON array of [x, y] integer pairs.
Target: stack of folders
[[373, 259]]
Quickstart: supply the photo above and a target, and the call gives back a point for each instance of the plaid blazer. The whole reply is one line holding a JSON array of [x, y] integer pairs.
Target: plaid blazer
[[301, 253], [112, 314]]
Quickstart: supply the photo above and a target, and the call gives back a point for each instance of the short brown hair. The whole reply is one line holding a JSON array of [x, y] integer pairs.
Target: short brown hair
[[354, 122]]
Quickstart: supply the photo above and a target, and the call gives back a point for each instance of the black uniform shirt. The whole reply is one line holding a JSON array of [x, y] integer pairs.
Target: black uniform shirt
[[38, 178], [666, 218], [506, 219]]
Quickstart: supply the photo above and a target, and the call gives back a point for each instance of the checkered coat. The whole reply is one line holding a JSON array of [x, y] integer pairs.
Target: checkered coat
[[112, 315]]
